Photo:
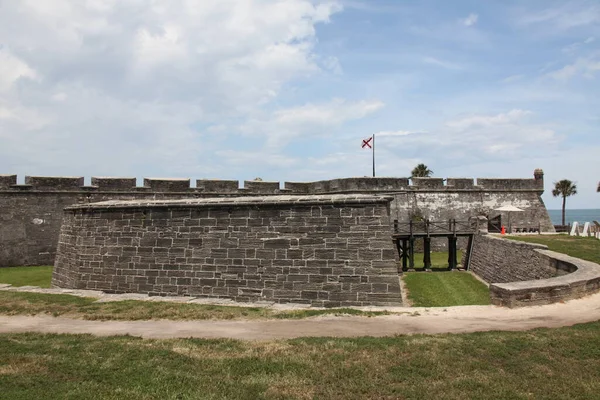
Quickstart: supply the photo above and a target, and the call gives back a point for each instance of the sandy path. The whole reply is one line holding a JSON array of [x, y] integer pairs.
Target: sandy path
[[428, 320]]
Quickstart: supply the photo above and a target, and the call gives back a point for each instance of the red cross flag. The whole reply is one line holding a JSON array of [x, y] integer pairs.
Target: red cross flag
[[366, 143], [369, 143]]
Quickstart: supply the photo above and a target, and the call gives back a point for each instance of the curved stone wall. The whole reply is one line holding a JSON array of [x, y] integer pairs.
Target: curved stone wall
[[329, 250], [526, 274]]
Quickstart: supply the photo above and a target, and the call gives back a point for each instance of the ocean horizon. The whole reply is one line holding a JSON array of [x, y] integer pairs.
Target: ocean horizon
[[575, 215]]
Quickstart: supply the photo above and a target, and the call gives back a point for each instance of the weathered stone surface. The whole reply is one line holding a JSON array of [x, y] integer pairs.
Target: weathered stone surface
[[53, 183], [30, 214], [6, 181], [525, 274], [498, 260], [102, 247], [119, 184], [167, 185], [217, 186]]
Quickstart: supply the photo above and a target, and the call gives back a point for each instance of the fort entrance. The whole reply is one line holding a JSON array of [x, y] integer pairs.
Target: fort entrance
[[407, 233]]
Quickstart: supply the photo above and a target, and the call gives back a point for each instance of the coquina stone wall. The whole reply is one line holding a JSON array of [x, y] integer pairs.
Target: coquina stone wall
[[527, 274], [31, 213], [329, 250], [498, 260]]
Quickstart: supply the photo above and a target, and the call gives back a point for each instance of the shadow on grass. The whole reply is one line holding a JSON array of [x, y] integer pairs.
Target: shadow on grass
[[445, 289]]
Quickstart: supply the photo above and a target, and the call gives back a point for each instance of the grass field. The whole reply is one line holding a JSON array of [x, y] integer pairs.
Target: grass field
[[25, 276], [549, 364], [444, 289], [542, 364], [439, 260], [18, 303], [586, 248]]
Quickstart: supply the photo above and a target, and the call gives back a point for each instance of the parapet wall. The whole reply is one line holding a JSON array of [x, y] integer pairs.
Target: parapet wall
[[228, 187], [31, 213], [321, 250], [526, 274]]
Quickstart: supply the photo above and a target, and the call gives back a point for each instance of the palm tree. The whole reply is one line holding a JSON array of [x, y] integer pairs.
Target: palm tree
[[564, 188], [421, 171]]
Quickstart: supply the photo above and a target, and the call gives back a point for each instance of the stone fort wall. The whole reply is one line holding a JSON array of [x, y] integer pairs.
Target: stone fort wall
[[31, 213], [327, 250]]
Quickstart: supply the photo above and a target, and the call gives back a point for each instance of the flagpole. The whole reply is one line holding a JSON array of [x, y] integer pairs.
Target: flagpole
[[373, 155]]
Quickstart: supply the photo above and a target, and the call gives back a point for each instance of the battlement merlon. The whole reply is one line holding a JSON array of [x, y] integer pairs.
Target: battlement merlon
[[261, 187], [232, 187], [217, 186], [6, 181], [167, 185], [116, 184], [67, 183]]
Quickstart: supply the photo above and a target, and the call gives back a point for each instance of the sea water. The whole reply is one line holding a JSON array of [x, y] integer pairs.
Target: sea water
[[581, 216]]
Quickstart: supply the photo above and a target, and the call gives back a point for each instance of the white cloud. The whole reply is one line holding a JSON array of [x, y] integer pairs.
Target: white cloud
[[585, 67], [567, 16], [309, 120], [18, 118], [257, 158], [333, 64], [12, 69], [396, 133], [333, 113], [121, 86], [487, 120], [470, 20], [513, 78], [509, 135], [165, 46], [574, 47], [441, 63], [218, 53], [61, 96]]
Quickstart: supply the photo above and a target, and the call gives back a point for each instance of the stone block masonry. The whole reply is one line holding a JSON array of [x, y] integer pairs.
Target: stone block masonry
[[31, 213], [498, 260], [325, 250], [528, 274]]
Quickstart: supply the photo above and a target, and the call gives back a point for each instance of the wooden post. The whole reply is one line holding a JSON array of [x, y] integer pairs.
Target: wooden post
[[399, 248], [427, 252], [404, 255], [467, 257], [452, 252], [449, 252], [411, 252]]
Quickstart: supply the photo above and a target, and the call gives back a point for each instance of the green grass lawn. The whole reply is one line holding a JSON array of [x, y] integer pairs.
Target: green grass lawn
[[541, 364], [25, 276], [586, 248], [439, 260], [444, 289], [19, 303]]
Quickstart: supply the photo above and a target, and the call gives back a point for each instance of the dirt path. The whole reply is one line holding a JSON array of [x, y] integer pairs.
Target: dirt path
[[414, 320]]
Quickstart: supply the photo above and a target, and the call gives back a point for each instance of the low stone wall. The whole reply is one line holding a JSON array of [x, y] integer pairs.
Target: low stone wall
[[527, 274], [498, 260], [329, 250], [582, 281]]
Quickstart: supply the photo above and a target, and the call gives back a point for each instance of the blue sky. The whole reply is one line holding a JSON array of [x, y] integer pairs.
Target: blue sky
[[287, 89]]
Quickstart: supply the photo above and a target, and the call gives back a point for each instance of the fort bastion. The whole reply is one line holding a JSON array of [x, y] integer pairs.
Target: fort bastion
[[31, 213]]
